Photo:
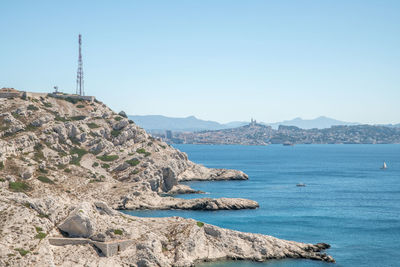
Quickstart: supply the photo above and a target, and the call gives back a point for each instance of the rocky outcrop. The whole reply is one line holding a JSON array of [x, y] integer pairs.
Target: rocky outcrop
[[68, 166], [79, 222], [162, 242], [165, 203], [201, 173]]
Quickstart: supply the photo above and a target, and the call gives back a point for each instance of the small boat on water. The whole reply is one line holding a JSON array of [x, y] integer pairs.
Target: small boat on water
[[287, 143], [384, 166], [301, 185]]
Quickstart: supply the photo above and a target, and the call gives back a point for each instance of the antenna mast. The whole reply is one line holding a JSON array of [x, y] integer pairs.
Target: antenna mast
[[79, 77]]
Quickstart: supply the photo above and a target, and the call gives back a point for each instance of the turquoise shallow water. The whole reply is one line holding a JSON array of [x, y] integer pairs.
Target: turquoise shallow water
[[349, 202]]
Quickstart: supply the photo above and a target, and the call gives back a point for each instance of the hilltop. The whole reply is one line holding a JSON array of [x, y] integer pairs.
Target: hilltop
[[67, 165]]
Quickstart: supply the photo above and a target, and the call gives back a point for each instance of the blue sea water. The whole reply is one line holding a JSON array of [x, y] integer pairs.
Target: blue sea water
[[348, 201]]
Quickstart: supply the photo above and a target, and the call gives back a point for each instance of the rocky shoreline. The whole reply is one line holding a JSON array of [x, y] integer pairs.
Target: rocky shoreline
[[67, 165]]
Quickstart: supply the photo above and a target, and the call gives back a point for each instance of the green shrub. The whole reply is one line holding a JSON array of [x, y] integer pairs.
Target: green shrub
[[31, 128], [164, 147], [133, 162], [38, 146], [92, 125], [32, 107], [61, 166], [117, 231], [108, 157], [143, 151], [115, 133], [67, 170], [118, 118], [135, 171], [43, 171], [45, 179], [62, 153], [200, 224], [93, 134], [105, 166], [95, 164], [75, 161], [63, 119], [40, 235], [19, 186], [78, 118], [1, 165], [75, 140], [47, 104], [80, 152], [15, 115], [22, 251], [38, 156], [72, 100], [43, 215], [80, 106], [38, 152]]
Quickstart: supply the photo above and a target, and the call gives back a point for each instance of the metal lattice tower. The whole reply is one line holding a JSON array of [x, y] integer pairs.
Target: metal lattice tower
[[79, 76]]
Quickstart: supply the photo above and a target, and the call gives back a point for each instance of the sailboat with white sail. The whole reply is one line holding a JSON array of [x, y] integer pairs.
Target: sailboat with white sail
[[384, 166]]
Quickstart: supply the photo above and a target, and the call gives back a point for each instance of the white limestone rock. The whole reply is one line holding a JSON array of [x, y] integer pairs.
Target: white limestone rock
[[80, 221]]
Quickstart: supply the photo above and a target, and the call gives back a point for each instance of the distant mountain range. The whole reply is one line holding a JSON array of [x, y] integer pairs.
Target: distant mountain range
[[159, 123], [319, 123]]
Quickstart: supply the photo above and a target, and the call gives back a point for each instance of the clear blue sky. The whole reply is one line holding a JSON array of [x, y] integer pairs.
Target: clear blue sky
[[217, 60]]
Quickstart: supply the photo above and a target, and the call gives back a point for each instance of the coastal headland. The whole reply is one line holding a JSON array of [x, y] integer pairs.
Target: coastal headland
[[68, 164]]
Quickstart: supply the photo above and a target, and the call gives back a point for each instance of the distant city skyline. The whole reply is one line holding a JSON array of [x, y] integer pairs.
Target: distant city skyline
[[217, 60]]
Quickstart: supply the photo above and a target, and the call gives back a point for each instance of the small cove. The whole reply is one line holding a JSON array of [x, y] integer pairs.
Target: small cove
[[348, 201]]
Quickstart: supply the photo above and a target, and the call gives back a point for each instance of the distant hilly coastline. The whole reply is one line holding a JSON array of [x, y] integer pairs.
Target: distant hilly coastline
[[159, 123], [321, 130], [258, 134], [321, 122]]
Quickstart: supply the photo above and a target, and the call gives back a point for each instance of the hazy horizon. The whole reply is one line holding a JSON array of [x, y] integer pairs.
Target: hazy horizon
[[217, 60], [269, 122]]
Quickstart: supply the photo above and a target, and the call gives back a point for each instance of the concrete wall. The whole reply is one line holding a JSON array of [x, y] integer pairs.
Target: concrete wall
[[30, 94], [87, 98], [21, 94], [107, 248], [10, 95], [61, 241]]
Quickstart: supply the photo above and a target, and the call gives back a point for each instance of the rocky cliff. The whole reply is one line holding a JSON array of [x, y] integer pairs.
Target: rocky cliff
[[66, 165]]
